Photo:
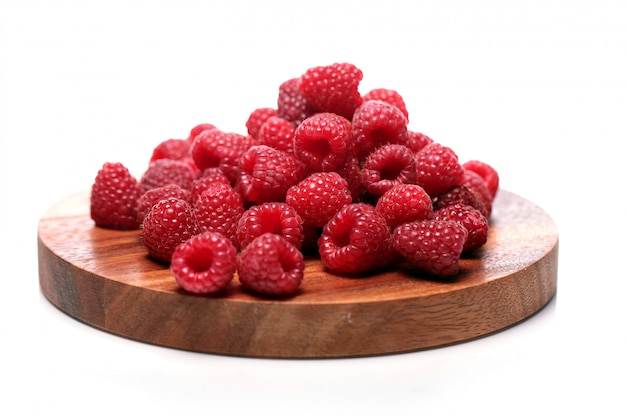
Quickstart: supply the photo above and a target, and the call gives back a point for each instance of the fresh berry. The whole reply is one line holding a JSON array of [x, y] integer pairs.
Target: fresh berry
[[271, 265], [318, 197], [267, 173], [487, 172], [168, 171], [196, 130], [291, 103], [114, 196], [474, 222], [433, 246], [149, 198], [438, 169], [169, 223], [417, 141], [323, 141], [404, 203], [351, 172], [172, 149], [388, 96], [355, 240], [204, 264], [257, 118], [465, 195], [333, 88], [208, 178], [387, 166], [477, 184], [218, 209], [272, 217], [377, 123], [277, 133]]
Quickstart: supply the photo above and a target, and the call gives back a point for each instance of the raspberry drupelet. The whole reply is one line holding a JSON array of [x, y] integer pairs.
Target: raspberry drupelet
[[114, 197], [404, 203], [219, 209], [271, 217], [387, 166], [377, 123]]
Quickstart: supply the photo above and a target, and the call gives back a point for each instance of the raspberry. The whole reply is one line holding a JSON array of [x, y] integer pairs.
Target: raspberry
[[154, 195], [377, 123], [470, 218], [204, 264], [172, 149], [355, 240], [169, 223], [388, 96], [438, 169], [218, 209], [462, 194], [113, 199], [270, 265], [257, 118], [291, 104], [168, 171], [216, 148], [387, 166], [404, 203], [271, 217], [208, 178], [333, 88], [477, 184], [267, 173], [277, 133], [323, 141], [318, 197], [433, 246], [487, 172], [351, 172], [417, 141], [196, 130]]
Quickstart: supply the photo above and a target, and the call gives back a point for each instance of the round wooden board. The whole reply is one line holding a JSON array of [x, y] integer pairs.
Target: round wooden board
[[104, 278]]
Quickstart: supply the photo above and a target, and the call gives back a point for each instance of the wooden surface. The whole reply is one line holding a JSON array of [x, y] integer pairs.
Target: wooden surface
[[104, 278]]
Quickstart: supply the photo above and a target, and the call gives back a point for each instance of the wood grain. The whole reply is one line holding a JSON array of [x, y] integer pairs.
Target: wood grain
[[104, 279]]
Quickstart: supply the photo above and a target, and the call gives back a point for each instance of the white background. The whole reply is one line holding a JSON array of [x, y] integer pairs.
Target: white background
[[535, 88]]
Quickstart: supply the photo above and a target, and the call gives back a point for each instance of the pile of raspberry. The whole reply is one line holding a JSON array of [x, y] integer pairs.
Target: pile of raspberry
[[327, 171]]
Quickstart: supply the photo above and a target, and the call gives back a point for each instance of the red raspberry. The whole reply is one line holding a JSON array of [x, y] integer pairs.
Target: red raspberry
[[438, 169], [204, 264], [388, 96], [114, 196], [351, 172], [267, 173], [218, 209], [257, 118], [417, 141], [172, 149], [270, 265], [323, 141], [333, 88], [216, 148], [318, 197], [462, 194], [356, 239], [154, 195], [208, 178], [387, 166], [470, 218], [291, 104], [377, 123], [169, 223], [277, 133], [488, 174], [271, 217], [433, 246], [404, 203], [168, 171], [196, 130]]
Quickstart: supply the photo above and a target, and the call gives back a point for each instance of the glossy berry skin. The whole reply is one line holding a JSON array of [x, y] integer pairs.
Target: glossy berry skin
[[197, 129], [487, 172], [267, 173], [463, 194], [169, 223], [271, 266], [388, 96], [438, 169], [207, 179], [333, 88], [376, 123], [172, 149], [432, 246], [417, 141], [277, 133], [149, 198], [257, 118], [271, 217], [204, 264], [291, 104], [387, 166], [114, 196], [168, 171], [218, 209], [356, 240], [474, 222], [318, 197], [216, 148], [404, 203], [323, 141]]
